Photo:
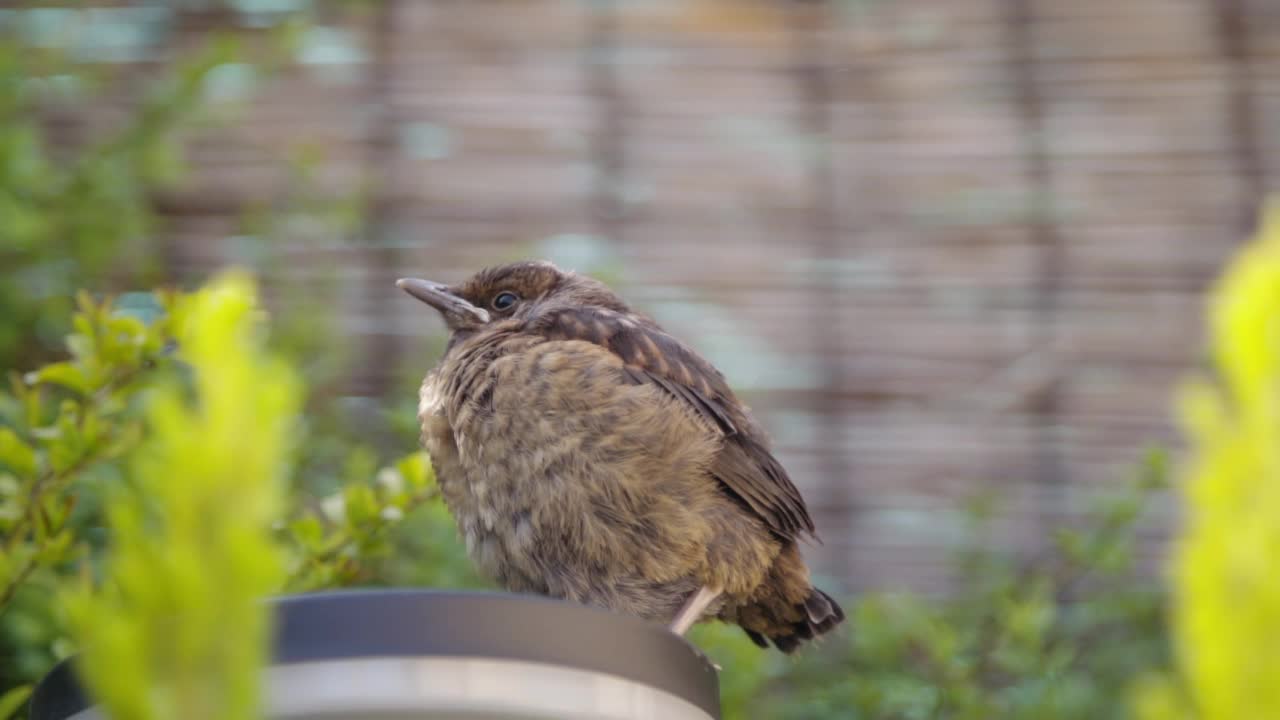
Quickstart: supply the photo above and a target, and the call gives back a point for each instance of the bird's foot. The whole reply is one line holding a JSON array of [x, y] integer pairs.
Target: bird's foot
[[692, 610]]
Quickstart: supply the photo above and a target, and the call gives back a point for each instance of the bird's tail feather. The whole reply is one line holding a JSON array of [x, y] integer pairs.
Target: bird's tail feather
[[819, 614]]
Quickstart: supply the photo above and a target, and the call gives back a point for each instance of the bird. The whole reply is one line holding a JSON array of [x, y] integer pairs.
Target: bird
[[588, 455]]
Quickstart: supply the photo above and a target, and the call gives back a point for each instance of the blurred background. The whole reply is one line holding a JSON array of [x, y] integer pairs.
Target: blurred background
[[944, 249]]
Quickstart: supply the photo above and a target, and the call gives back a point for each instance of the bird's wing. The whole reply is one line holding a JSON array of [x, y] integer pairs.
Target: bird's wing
[[744, 466]]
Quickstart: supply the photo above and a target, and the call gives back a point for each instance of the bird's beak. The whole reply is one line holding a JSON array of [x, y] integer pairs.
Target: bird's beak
[[456, 311]]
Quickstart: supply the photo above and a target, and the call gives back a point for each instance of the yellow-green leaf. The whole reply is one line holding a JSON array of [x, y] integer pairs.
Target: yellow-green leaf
[[63, 374], [16, 454], [307, 531], [416, 470], [13, 700]]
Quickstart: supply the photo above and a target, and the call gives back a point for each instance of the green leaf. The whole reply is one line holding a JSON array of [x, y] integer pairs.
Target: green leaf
[[12, 700], [124, 338], [308, 532], [80, 346], [416, 471], [127, 436], [13, 564], [56, 548], [17, 455], [63, 374], [361, 504]]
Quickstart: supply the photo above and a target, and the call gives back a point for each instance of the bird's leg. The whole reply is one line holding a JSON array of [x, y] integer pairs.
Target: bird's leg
[[693, 609]]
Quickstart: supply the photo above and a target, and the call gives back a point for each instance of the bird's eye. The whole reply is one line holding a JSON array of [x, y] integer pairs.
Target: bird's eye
[[504, 301]]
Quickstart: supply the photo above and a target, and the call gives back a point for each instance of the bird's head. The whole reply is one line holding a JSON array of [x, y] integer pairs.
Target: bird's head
[[509, 291]]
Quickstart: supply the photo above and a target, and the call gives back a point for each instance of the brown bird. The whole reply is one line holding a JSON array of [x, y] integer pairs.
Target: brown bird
[[588, 455]]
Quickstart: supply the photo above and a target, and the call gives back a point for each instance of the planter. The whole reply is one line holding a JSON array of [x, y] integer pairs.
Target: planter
[[408, 654]]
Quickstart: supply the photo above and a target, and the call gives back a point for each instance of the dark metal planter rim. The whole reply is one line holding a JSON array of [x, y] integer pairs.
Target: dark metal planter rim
[[429, 623]]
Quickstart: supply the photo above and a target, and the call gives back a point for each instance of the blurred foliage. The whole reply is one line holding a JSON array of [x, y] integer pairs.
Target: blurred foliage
[[1226, 614], [74, 218], [1058, 636], [192, 553], [90, 139], [168, 431]]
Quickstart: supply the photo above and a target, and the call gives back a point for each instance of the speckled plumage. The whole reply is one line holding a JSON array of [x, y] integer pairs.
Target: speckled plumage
[[587, 455]]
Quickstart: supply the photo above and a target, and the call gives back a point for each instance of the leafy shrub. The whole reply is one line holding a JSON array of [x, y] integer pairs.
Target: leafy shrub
[[1226, 614], [1056, 636], [168, 431], [192, 553]]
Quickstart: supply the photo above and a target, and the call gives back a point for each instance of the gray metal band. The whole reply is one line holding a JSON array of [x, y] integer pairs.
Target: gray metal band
[[454, 627]]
